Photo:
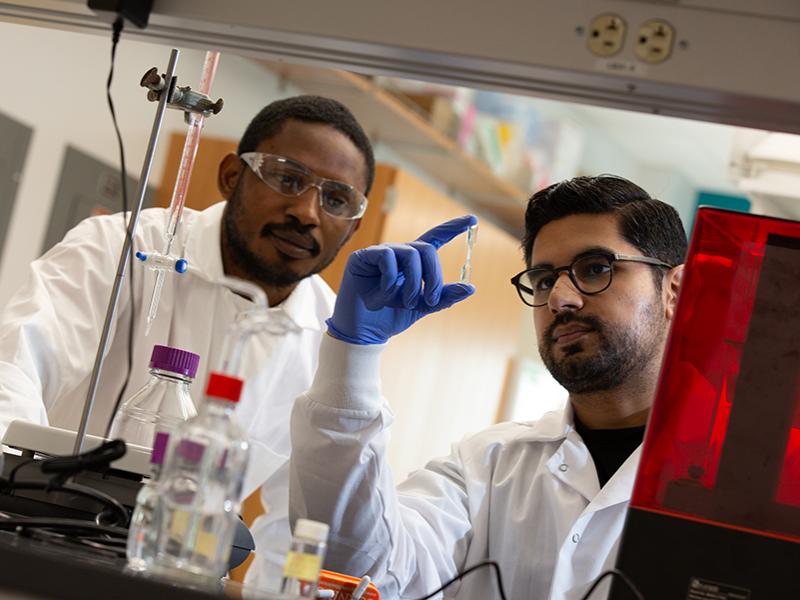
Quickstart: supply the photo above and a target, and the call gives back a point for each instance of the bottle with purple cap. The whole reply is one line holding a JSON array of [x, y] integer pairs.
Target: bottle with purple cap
[[163, 403], [143, 531]]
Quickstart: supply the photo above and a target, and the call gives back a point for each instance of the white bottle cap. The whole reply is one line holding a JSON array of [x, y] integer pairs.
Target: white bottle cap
[[313, 531]]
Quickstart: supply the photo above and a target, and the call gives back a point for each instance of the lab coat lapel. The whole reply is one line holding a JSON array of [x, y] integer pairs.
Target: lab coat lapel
[[618, 489], [573, 466]]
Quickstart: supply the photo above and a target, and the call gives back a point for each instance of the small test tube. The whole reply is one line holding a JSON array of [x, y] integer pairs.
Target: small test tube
[[472, 238]]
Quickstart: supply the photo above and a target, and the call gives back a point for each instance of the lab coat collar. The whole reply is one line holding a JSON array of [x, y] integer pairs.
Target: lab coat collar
[[204, 253], [572, 464], [580, 473], [552, 426]]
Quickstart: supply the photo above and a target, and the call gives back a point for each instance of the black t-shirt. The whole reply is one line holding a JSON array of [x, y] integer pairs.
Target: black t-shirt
[[609, 447]]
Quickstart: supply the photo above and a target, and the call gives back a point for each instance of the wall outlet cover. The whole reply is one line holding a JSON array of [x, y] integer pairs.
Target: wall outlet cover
[[654, 41], [606, 35]]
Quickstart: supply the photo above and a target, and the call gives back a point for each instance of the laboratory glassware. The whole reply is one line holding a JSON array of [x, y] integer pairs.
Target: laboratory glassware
[[472, 238], [163, 403], [143, 530], [200, 489], [304, 560], [163, 262]]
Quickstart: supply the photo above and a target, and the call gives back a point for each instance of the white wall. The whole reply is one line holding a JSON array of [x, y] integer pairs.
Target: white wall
[[55, 83], [602, 154]]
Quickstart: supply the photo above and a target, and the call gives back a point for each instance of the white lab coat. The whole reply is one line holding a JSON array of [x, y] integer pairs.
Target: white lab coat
[[523, 494], [50, 330]]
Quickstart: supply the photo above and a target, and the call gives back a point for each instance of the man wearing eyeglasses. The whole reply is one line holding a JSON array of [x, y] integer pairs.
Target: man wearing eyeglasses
[[295, 191], [546, 500]]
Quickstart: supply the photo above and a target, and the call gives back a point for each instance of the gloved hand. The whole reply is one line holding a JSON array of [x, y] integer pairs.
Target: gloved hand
[[382, 289]]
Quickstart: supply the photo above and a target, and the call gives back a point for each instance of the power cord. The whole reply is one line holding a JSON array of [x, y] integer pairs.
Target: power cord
[[488, 563], [13, 474], [501, 589], [112, 506], [614, 573], [73, 525], [116, 29], [62, 468]]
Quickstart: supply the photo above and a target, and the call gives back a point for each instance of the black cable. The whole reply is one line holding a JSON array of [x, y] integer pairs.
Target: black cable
[[62, 467], [24, 463], [464, 573], [96, 458], [614, 573], [116, 33], [100, 545], [61, 524], [107, 501]]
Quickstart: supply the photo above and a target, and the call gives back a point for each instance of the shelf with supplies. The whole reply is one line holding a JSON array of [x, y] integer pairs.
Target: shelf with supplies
[[389, 119]]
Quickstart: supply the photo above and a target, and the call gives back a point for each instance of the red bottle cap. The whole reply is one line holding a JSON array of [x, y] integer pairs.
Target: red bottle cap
[[224, 387]]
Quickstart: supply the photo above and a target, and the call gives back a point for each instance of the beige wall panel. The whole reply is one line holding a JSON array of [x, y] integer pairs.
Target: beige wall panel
[[445, 375], [370, 230], [203, 191]]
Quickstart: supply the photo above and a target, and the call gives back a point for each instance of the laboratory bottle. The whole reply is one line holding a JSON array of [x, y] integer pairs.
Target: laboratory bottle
[[304, 560], [200, 489], [163, 403], [143, 531]]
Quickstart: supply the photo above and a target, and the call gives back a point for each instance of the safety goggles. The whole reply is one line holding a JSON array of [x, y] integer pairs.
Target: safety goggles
[[293, 179]]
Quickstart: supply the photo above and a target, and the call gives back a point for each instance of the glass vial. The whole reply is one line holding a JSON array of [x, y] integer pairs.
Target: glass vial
[[304, 560]]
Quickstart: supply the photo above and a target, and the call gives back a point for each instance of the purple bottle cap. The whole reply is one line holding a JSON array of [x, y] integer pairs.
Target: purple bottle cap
[[159, 448], [174, 360]]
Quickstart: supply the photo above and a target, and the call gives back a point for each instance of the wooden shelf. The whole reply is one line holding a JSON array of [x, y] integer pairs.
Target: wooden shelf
[[387, 119]]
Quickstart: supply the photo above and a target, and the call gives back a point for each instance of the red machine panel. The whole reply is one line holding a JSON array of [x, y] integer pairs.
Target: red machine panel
[[723, 442]]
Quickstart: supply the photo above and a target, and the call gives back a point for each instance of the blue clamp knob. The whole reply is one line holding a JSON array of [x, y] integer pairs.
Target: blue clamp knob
[[181, 265], [141, 256]]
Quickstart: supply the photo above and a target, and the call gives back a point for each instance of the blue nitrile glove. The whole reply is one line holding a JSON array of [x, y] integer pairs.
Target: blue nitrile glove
[[382, 289]]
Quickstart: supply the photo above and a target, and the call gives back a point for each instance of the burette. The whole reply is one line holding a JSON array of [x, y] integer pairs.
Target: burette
[[165, 262], [196, 105]]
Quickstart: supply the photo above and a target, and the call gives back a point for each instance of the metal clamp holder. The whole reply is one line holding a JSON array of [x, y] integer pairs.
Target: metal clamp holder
[[183, 98]]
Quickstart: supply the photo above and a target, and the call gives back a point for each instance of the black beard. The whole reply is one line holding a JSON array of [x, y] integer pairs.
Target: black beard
[[257, 269], [620, 354]]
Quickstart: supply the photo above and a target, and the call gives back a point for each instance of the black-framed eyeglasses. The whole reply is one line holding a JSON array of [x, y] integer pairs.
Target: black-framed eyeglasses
[[590, 274], [292, 179]]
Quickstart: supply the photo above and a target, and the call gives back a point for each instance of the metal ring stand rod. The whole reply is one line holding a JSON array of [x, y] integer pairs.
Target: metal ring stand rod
[[126, 251]]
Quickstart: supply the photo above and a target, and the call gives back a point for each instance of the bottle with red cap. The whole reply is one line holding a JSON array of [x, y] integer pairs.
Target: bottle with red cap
[[200, 488], [163, 403]]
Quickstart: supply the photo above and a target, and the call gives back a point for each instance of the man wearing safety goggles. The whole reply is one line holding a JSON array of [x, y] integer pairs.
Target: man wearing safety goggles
[[295, 190]]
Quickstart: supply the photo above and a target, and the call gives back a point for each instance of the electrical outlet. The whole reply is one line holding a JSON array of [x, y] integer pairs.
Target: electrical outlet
[[606, 35], [654, 41]]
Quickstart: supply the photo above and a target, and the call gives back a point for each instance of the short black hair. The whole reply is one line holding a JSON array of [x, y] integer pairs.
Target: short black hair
[[308, 109], [651, 225]]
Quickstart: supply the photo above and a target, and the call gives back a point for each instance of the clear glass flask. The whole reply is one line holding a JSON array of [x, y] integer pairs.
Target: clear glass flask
[[304, 560], [200, 489], [163, 403], [143, 531]]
